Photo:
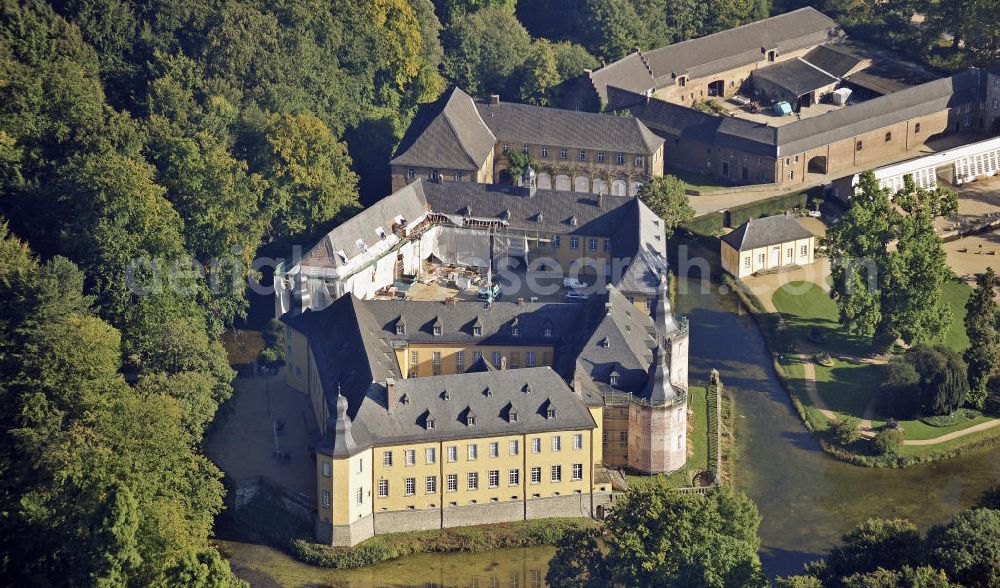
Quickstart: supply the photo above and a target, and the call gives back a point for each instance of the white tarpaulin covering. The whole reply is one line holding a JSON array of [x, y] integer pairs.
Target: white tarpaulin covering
[[464, 247]]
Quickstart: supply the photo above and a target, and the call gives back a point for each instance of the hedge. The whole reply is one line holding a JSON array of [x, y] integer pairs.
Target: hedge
[[466, 539], [710, 224], [767, 207]]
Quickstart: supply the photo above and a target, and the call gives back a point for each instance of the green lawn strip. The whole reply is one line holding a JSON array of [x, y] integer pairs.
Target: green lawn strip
[[796, 379], [695, 180], [956, 294], [978, 437], [847, 387], [804, 305], [698, 460], [917, 429]]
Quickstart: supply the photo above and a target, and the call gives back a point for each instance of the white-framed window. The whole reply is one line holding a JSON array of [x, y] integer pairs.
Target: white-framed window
[[411, 457], [563, 154], [460, 176], [638, 160], [436, 363], [431, 484], [578, 471], [506, 147], [555, 241], [804, 250], [746, 262], [515, 447], [494, 449], [578, 441], [556, 473], [326, 469], [430, 455], [477, 331], [574, 242], [536, 475], [359, 495], [526, 148], [410, 486], [473, 451], [513, 477], [460, 361], [452, 453], [600, 157], [529, 359], [326, 499], [614, 379], [791, 175], [607, 245], [620, 159], [583, 155], [496, 359], [387, 458], [592, 244], [383, 488], [411, 173], [493, 478], [536, 445], [557, 443], [545, 151], [547, 331], [476, 356], [452, 482], [473, 481]]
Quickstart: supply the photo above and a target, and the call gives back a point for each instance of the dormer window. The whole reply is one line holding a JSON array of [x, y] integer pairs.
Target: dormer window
[[615, 380], [526, 389], [361, 245], [445, 395], [431, 423], [400, 220], [605, 343], [550, 413], [400, 328], [477, 331], [404, 399], [572, 221], [547, 331], [513, 416], [515, 331], [380, 232], [470, 418], [540, 218], [488, 393], [342, 255], [437, 330]]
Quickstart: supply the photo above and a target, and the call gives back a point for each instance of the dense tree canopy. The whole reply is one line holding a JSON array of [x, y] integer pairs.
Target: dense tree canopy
[[981, 325], [888, 264], [658, 537]]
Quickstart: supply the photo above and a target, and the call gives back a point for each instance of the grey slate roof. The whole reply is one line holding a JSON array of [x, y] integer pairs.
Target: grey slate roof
[[794, 77], [833, 58], [352, 346], [448, 134], [643, 275], [762, 232], [802, 135], [538, 125], [405, 202], [718, 52], [607, 216]]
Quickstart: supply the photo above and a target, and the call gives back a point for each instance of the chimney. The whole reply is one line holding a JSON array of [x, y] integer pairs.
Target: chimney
[[494, 99], [577, 385], [520, 301], [390, 394], [600, 200], [503, 362]]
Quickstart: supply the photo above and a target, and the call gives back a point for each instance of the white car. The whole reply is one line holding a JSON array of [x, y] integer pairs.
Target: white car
[[576, 296], [815, 213], [573, 283]]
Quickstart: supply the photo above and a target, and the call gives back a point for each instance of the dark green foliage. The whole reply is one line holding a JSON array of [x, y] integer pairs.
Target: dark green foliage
[[891, 294], [900, 388], [519, 161], [943, 381], [845, 430], [578, 561], [701, 540], [483, 50], [767, 207], [888, 441], [983, 353], [667, 198], [465, 539], [273, 353], [968, 548]]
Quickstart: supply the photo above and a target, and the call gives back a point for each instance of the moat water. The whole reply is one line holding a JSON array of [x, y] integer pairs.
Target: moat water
[[807, 499]]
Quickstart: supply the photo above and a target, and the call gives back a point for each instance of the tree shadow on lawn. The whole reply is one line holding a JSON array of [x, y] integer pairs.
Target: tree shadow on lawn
[[848, 387]]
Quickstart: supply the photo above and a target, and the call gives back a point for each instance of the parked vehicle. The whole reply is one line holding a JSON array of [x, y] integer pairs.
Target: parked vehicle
[[576, 296], [573, 283], [489, 294]]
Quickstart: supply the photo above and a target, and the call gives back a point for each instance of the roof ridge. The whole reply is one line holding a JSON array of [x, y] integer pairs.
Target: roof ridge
[[447, 118]]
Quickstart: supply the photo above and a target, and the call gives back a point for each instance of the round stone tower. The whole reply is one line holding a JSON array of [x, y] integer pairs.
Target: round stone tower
[[658, 416]]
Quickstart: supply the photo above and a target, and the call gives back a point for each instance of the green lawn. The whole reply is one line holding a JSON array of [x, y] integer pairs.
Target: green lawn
[[848, 386], [698, 442], [694, 180]]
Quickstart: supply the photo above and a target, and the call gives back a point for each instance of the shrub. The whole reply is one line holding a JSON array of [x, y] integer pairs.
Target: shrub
[[888, 441], [845, 430], [767, 207]]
